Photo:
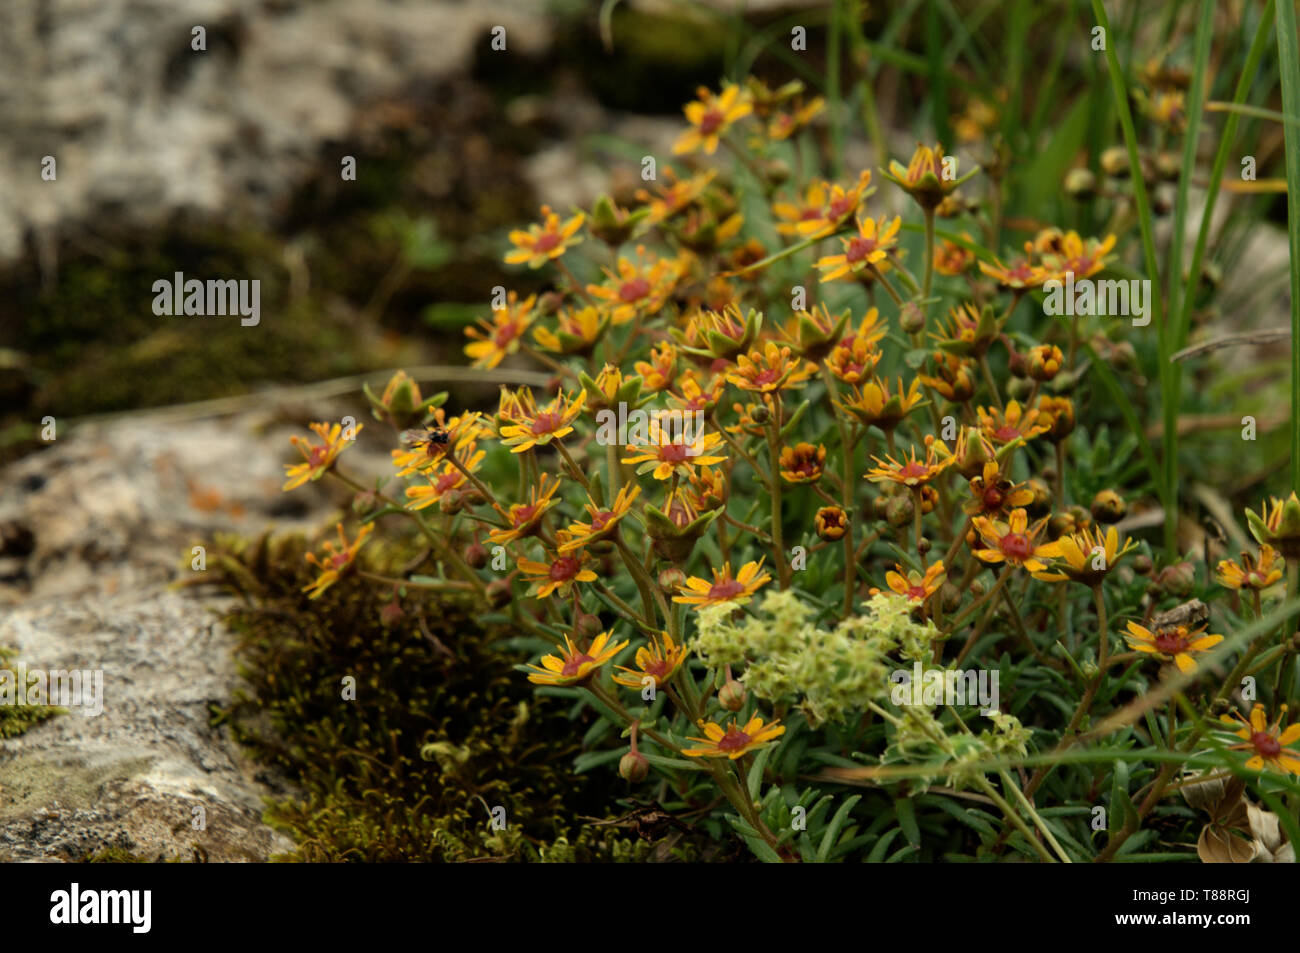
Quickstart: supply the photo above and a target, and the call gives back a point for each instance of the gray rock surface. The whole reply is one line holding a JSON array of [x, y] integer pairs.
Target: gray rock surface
[[113, 510], [142, 125]]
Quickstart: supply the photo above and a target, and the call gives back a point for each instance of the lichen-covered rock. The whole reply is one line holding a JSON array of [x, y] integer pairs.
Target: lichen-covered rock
[[100, 527]]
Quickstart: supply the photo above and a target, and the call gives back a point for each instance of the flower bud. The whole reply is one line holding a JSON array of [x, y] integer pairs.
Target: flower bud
[[1080, 184], [1142, 564], [911, 318], [672, 579], [1177, 580], [1108, 507], [633, 767], [586, 626], [900, 509], [391, 614], [476, 556], [1114, 162], [731, 695]]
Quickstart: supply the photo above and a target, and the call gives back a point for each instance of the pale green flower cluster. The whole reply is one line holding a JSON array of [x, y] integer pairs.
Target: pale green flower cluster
[[834, 673]]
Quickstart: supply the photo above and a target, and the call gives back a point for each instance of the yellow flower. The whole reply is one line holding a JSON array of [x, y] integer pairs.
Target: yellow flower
[[953, 259], [575, 665], [603, 520], [824, 209], [710, 117], [953, 379], [802, 463], [1251, 573], [637, 289], [734, 741], [1177, 643], [317, 457], [544, 242], [869, 247], [1277, 524], [1012, 542], [692, 396], [1084, 257], [493, 342], [449, 478], [675, 195], [724, 589], [576, 333], [426, 447], [559, 573], [1088, 556], [1267, 742], [336, 561], [831, 522], [1015, 423], [855, 357], [657, 373], [1021, 273], [538, 427], [911, 473], [992, 494], [666, 455], [786, 124], [924, 177], [770, 369], [874, 405], [522, 519], [659, 660], [914, 585]]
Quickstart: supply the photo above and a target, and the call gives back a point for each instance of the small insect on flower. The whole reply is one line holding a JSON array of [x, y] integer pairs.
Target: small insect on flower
[[710, 117], [492, 342], [559, 573], [422, 447], [1177, 643], [734, 741], [802, 463], [1268, 743], [868, 248], [724, 589], [575, 665], [659, 660], [1250, 572], [912, 471], [1085, 557], [1013, 542], [338, 560], [544, 242], [317, 457], [993, 495], [536, 427]]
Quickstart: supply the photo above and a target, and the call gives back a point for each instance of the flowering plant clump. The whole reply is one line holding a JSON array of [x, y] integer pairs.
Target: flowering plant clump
[[822, 520]]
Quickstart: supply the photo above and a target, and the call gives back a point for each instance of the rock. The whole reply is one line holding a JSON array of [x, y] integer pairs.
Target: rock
[[101, 525], [141, 125]]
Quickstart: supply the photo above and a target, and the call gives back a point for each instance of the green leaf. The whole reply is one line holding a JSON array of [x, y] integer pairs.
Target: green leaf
[[833, 829]]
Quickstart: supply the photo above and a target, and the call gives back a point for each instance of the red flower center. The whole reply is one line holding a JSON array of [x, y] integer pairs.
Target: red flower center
[[728, 589], [859, 249], [546, 241], [917, 593], [573, 664], [448, 481], [673, 452], [993, 498], [317, 455], [839, 207], [767, 375], [711, 121], [1266, 744], [914, 470], [810, 215], [523, 515], [564, 568], [1006, 433], [505, 335], [339, 560], [634, 290], [547, 421], [600, 521], [1016, 546], [1171, 643], [656, 667], [733, 739]]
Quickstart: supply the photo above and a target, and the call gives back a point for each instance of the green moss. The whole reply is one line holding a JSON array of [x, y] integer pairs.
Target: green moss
[[369, 794], [15, 719]]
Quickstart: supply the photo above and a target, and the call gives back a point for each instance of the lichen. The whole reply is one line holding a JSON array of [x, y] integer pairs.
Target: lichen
[[18, 718]]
